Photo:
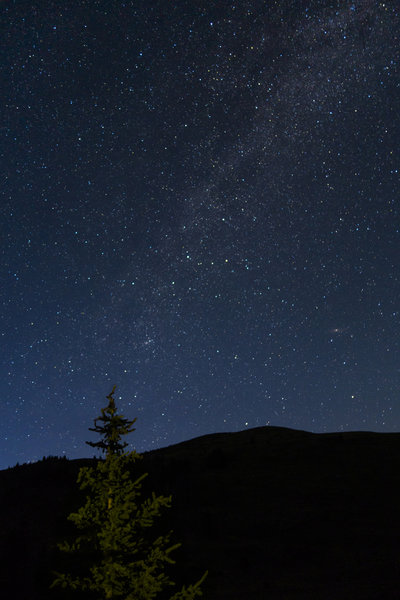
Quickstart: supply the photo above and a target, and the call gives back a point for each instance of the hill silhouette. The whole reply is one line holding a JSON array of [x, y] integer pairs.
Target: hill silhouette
[[272, 513]]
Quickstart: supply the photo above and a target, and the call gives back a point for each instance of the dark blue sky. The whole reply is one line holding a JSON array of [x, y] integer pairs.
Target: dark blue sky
[[199, 204]]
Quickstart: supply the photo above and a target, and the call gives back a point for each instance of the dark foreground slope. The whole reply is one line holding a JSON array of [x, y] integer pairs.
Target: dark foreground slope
[[272, 513]]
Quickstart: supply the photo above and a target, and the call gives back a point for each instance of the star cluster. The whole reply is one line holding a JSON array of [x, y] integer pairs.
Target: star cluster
[[200, 204]]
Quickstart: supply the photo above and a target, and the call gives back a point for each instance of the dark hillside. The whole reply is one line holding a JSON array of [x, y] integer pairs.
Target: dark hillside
[[272, 513]]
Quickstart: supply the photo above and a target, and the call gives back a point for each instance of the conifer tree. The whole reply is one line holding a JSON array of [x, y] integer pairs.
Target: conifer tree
[[117, 556]]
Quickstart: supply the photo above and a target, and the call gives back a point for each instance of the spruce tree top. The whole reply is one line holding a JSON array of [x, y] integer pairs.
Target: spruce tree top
[[112, 428]]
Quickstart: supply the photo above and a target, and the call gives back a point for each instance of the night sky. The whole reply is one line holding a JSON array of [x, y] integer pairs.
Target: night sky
[[199, 204]]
